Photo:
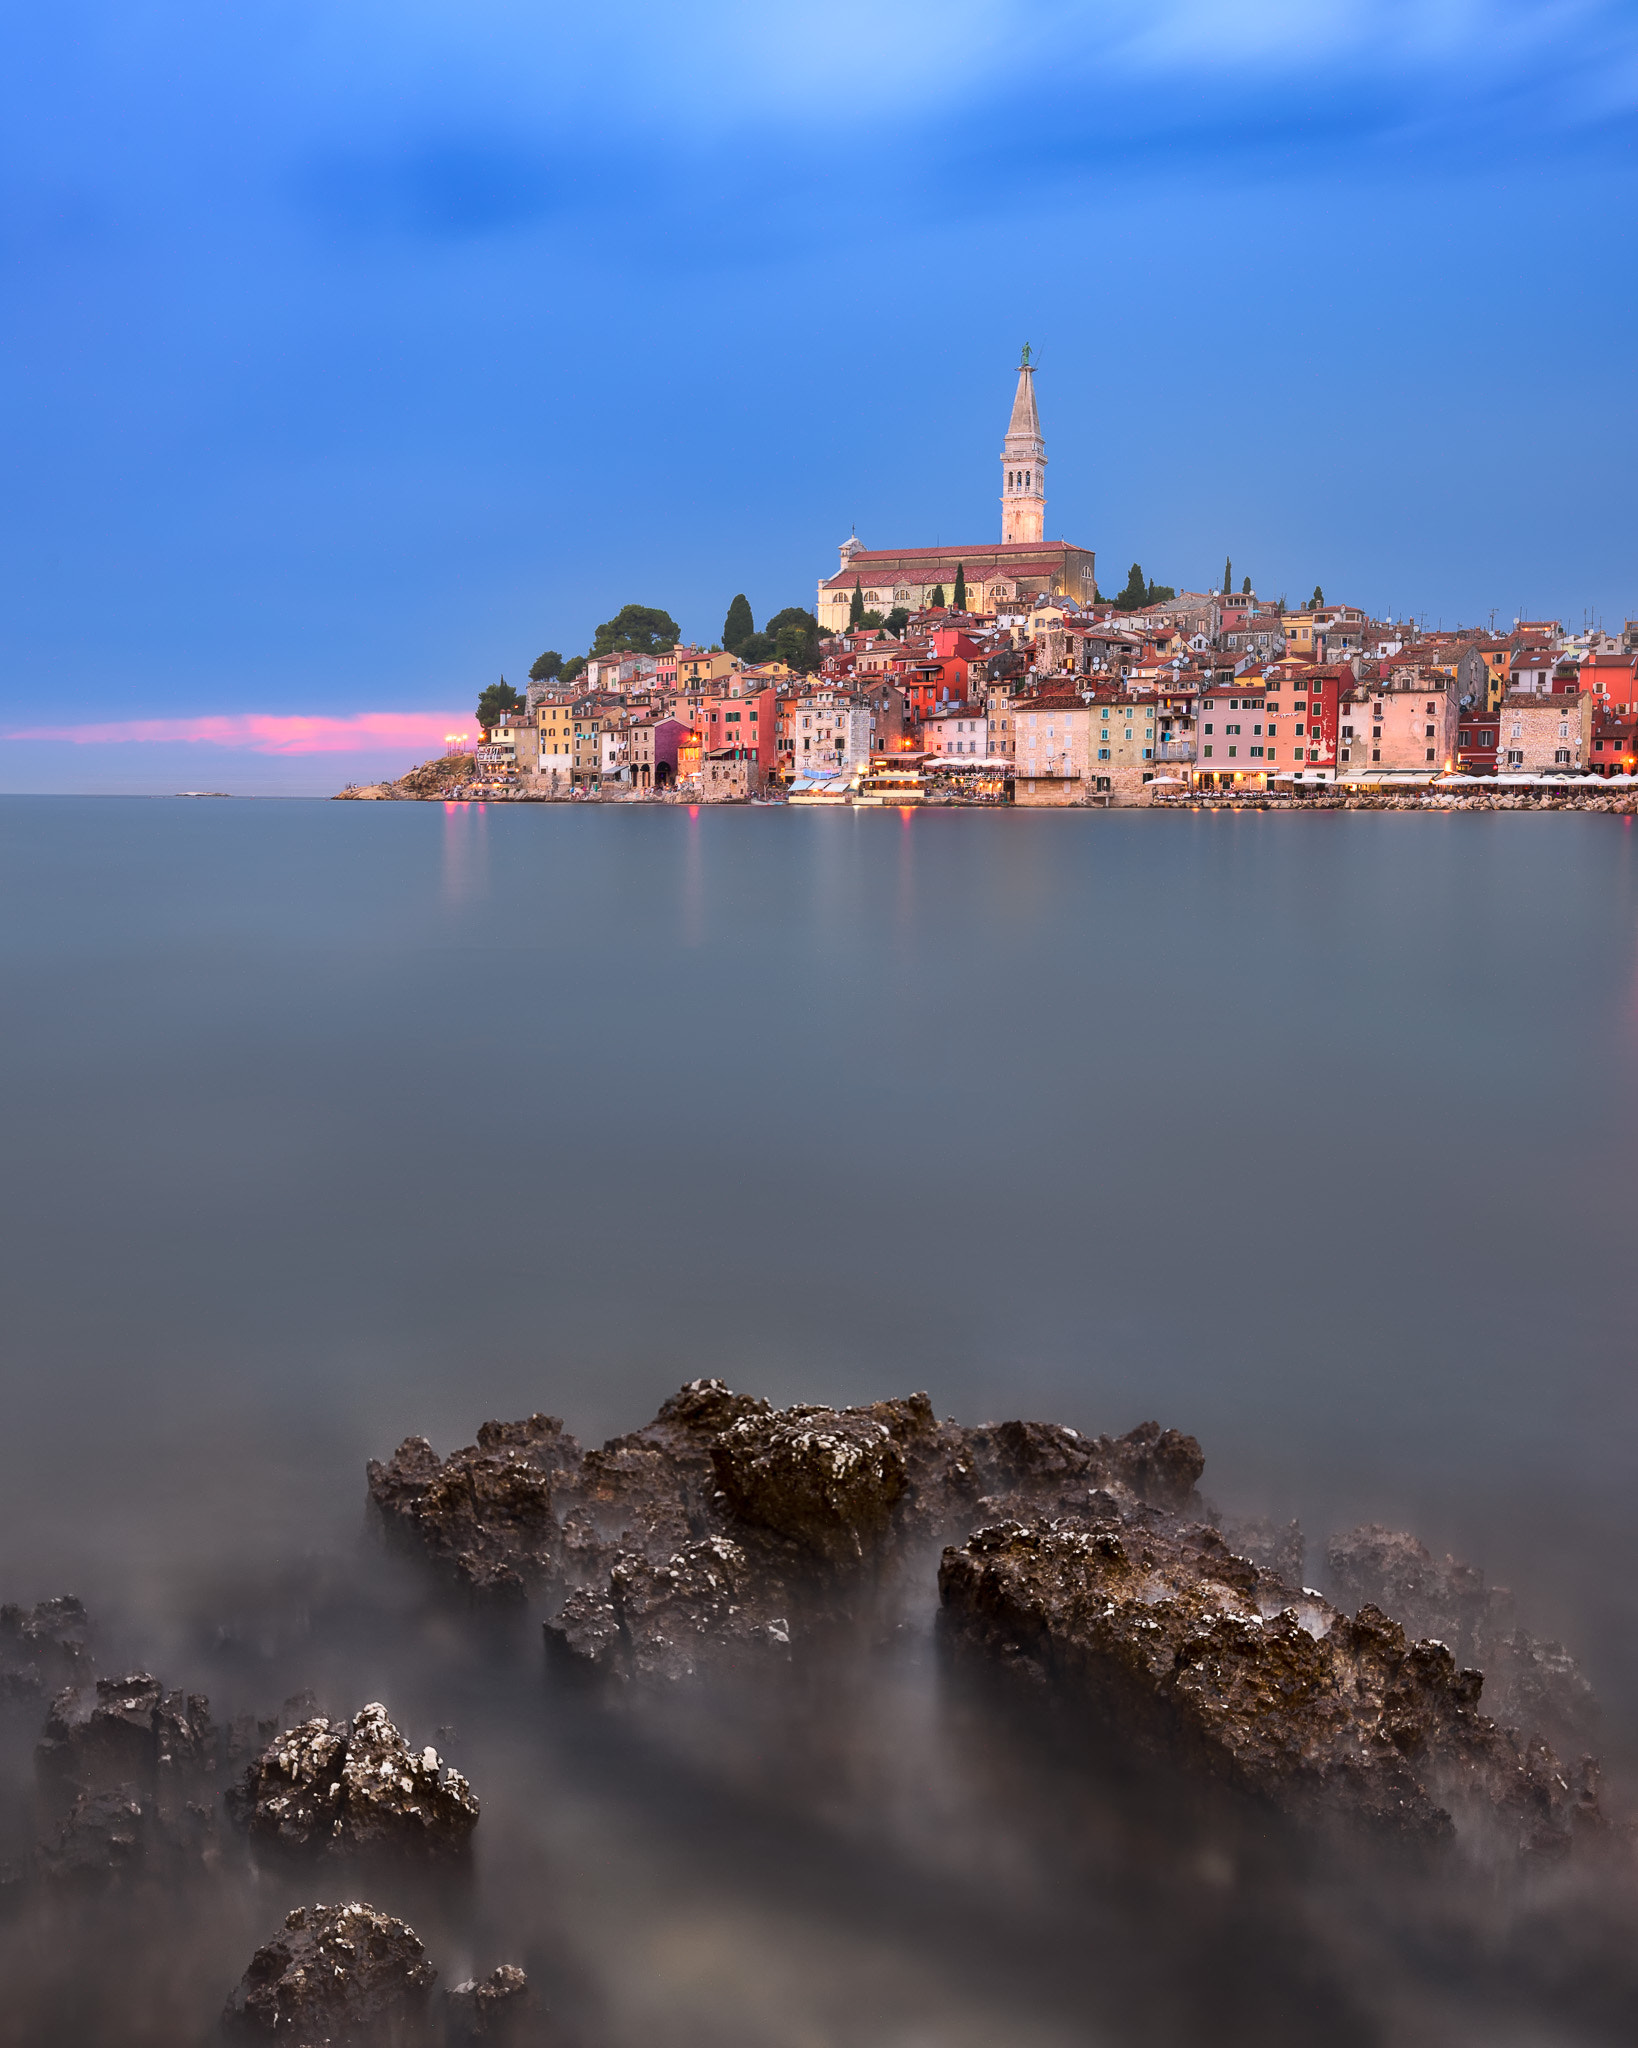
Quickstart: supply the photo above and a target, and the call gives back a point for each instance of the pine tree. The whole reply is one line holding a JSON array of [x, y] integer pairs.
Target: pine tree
[[1228, 576], [855, 610], [738, 627], [937, 598], [961, 587]]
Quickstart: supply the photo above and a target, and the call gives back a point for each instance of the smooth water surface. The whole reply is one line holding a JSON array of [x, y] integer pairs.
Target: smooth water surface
[[326, 1124]]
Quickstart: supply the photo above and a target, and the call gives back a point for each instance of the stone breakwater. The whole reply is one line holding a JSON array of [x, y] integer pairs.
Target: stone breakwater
[[728, 1535]]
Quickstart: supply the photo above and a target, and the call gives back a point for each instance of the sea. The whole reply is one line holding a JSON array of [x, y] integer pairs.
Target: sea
[[330, 1124]]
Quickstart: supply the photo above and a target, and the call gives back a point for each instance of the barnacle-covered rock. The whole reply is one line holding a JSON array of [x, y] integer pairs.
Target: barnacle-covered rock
[[1176, 1645], [334, 1975], [343, 1786], [827, 1479]]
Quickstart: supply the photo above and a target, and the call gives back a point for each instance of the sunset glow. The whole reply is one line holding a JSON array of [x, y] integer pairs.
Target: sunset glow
[[264, 732]]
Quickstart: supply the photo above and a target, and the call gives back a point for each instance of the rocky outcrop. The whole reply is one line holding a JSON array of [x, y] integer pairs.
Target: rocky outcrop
[[123, 1729], [498, 2008], [1532, 1685], [345, 1786], [727, 1529], [1165, 1639], [43, 1648], [334, 1975]]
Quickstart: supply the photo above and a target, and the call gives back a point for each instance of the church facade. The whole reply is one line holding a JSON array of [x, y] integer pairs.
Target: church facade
[[1022, 565]]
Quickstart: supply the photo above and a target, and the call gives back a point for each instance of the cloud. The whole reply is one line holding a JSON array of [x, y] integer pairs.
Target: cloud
[[269, 733]]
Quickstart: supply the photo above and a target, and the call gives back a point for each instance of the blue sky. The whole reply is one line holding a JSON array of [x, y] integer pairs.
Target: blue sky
[[355, 352]]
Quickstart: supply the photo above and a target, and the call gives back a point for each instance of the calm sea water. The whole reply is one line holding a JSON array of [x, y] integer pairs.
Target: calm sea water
[[326, 1124]]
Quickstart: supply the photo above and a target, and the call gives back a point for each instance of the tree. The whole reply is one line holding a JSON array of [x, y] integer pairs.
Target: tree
[[738, 627], [855, 610], [1160, 593], [794, 620], [870, 621], [497, 698], [1228, 575], [641, 628], [546, 666], [755, 648], [961, 587], [1136, 594], [796, 649], [937, 598], [1245, 588], [574, 666], [1317, 599], [896, 621]]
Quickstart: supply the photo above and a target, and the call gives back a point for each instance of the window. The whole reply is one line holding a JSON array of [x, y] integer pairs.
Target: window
[[1233, 750], [1347, 732], [1428, 734], [1430, 753], [1103, 753], [1299, 731], [1208, 728], [1376, 753], [1208, 749]]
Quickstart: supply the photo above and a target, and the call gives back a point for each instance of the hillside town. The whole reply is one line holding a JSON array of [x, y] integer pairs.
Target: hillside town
[[997, 673]]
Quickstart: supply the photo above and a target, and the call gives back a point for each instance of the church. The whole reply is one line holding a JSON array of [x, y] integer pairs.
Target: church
[[1023, 565]]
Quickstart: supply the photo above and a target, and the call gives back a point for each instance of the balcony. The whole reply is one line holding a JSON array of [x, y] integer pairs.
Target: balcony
[[1175, 750]]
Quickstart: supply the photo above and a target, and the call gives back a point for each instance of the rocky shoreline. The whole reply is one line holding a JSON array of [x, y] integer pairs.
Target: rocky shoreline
[[728, 1535], [731, 1541]]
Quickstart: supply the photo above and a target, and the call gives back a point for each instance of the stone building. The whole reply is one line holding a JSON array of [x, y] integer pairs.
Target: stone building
[[1022, 566], [1545, 735]]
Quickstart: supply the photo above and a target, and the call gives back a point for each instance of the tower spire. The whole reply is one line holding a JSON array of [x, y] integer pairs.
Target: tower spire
[[1023, 463]]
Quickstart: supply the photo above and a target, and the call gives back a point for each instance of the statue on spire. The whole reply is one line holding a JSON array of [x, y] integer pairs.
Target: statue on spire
[[1023, 360]]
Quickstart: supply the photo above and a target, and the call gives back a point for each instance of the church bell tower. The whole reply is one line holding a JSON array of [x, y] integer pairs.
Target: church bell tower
[[1023, 464]]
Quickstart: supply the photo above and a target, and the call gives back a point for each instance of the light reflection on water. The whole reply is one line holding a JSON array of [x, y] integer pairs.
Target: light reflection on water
[[330, 1123]]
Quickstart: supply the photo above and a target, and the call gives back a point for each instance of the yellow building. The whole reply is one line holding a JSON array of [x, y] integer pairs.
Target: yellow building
[[697, 666]]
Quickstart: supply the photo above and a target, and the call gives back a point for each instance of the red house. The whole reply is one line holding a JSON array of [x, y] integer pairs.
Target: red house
[[1614, 748], [749, 723], [1476, 736]]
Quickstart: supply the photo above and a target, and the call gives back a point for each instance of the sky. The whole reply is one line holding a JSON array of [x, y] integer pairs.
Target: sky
[[353, 353]]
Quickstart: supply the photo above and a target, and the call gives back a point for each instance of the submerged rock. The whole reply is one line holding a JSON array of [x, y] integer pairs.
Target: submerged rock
[[352, 1785], [1176, 1645], [333, 1975], [43, 1647]]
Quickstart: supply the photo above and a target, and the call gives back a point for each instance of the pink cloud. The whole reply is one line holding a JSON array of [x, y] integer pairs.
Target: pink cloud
[[264, 733]]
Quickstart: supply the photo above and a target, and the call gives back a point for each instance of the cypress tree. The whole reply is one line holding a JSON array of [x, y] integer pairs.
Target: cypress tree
[[1317, 599], [1228, 575], [738, 627], [1245, 588], [855, 610], [961, 587], [937, 598]]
